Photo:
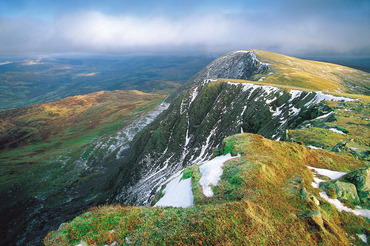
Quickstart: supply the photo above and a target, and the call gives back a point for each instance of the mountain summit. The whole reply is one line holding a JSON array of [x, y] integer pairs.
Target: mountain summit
[[235, 93]]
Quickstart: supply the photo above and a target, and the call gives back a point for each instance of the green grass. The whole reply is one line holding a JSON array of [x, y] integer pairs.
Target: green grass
[[313, 75], [351, 118], [256, 202], [72, 124]]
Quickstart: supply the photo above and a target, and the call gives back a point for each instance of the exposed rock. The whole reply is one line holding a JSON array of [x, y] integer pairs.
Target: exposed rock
[[339, 147], [309, 198], [233, 65], [342, 191], [321, 120], [314, 218], [361, 180]]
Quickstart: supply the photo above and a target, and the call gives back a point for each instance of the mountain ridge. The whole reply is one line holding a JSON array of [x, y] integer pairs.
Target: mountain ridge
[[209, 109]]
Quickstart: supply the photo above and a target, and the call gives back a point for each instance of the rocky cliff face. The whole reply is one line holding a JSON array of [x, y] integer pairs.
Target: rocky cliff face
[[241, 64], [196, 122]]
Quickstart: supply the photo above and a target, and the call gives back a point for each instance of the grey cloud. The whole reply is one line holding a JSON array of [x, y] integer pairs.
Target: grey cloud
[[211, 32]]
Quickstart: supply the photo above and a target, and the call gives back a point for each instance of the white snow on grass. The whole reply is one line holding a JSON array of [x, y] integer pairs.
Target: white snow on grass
[[177, 193], [337, 131], [322, 96], [313, 147], [294, 94], [294, 111], [316, 182], [341, 207], [278, 111], [325, 115], [335, 175], [327, 173], [194, 94], [211, 173], [362, 237]]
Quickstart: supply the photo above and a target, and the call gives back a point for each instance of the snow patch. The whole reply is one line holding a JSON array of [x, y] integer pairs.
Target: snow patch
[[294, 94], [321, 96], [277, 112], [341, 207], [324, 116], [362, 237], [294, 111], [177, 193], [327, 173], [337, 131], [316, 182], [206, 145], [242, 51], [313, 147], [268, 101], [211, 173], [194, 94], [335, 175]]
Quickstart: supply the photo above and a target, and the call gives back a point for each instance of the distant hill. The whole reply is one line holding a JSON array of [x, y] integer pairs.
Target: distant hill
[[52, 157], [35, 80]]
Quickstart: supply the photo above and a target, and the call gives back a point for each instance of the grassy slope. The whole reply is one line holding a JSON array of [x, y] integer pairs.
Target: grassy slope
[[351, 118], [47, 133], [313, 75], [256, 202]]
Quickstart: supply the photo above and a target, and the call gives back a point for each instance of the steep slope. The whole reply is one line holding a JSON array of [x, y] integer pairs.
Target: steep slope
[[264, 197], [209, 111], [53, 157]]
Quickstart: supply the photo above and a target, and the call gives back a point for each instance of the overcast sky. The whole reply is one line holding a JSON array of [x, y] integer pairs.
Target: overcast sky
[[293, 27]]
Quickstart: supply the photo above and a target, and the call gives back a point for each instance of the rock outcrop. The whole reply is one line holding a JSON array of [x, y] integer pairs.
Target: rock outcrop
[[353, 187], [361, 179], [343, 191]]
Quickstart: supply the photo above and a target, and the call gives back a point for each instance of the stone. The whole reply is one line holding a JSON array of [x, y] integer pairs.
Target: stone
[[339, 147], [361, 180], [309, 198], [314, 218], [343, 191]]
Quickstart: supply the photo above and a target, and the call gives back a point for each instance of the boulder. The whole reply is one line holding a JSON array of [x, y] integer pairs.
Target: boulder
[[339, 147], [361, 180], [343, 191]]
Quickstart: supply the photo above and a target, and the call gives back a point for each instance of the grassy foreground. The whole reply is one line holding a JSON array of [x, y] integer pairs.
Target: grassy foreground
[[257, 202]]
